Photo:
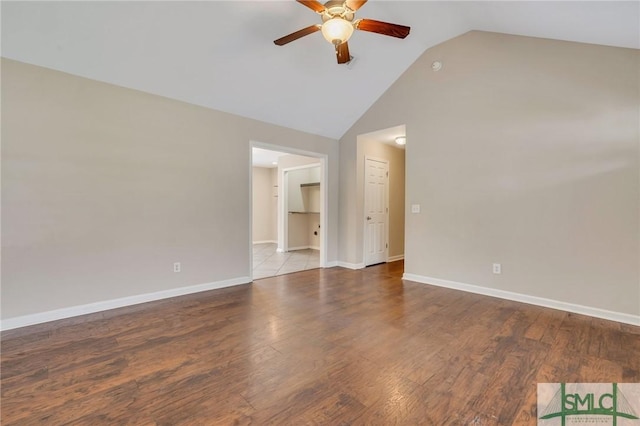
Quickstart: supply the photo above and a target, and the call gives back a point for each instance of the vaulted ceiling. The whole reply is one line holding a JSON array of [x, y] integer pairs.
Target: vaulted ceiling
[[220, 54]]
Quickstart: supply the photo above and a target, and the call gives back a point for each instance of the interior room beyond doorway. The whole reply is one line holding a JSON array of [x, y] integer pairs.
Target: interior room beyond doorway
[[286, 212]]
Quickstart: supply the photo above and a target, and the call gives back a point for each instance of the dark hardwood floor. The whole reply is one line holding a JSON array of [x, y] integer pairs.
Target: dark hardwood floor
[[330, 346]]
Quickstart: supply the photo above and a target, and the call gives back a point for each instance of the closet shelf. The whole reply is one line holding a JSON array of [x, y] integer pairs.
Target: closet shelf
[[304, 212], [304, 185]]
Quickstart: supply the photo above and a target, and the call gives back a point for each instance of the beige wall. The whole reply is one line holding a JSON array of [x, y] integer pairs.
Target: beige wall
[[298, 199], [395, 158], [301, 229], [265, 204], [520, 151], [103, 188]]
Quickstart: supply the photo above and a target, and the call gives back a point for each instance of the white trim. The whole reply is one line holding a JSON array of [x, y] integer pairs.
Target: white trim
[[351, 265], [324, 211], [332, 264], [250, 272], [283, 214], [73, 311], [265, 242], [525, 298], [279, 250], [396, 258], [299, 248]]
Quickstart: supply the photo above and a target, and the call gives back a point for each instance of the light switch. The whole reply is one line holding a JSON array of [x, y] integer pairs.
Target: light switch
[[415, 208]]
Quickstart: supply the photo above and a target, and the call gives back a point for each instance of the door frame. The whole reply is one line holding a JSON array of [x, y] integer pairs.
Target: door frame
[[324, 196], [364, 209]]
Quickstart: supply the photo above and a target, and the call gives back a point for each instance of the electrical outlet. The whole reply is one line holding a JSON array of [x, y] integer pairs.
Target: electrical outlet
[[497, 268], [176, 267], [415, 208]]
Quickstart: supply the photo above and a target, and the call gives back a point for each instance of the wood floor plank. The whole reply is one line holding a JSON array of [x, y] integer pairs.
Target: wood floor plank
[[329, 346]]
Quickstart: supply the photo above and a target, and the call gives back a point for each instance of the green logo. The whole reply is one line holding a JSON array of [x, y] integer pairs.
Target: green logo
[[588, 403]]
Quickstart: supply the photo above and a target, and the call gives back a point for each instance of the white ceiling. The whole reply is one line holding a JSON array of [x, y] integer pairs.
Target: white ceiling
[[387, 136], [220, 54], [265, 158]]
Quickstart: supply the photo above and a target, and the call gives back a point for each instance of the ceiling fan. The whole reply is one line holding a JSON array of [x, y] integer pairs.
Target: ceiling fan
[[338, 24]]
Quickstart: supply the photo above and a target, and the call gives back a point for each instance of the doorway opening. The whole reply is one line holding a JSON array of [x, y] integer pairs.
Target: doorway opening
[[288, 220], [381, 195]]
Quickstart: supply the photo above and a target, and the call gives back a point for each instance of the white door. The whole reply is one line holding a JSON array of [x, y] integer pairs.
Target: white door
[[376, 211]]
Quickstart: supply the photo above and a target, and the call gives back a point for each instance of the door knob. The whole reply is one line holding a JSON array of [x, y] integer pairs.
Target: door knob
[[368, 217]]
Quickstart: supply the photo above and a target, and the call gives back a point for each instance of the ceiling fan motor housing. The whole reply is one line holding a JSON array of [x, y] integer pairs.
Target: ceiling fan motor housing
[[337, 9]]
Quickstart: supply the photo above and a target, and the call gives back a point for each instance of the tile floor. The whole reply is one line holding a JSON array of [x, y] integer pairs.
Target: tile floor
[[267, 262]]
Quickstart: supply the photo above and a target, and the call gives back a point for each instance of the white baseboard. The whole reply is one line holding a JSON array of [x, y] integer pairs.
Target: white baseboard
[[265, 242], [299, 248], [524, 298], [332, 264], [351, 265], [304, 248], [362, 265], [74, 311], [280, 250]]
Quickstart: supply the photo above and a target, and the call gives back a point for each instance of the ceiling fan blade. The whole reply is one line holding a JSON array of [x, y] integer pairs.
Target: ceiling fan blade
[[314, 5], [298, 34], [355, 4], [385, 28], [342, 52]]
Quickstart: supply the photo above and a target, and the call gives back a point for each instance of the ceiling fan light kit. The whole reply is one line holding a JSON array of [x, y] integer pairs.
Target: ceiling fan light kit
[[339, 23], [337, 30]]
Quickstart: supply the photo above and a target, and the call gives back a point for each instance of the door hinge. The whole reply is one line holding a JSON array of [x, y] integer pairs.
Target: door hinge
[[387, 174], [386, 245]]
